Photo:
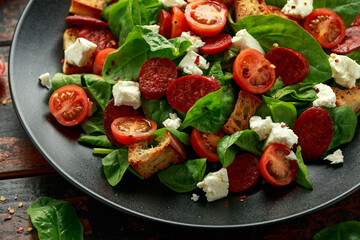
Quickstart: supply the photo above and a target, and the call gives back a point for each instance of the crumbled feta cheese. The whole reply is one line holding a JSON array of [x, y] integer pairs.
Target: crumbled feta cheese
[[195, 197], [243, 40], [336, 157], [298, 8], [215, 185], [173, 3], [345, 71], [261, 126], [195, 41], [280, 133], [291, 156], [154, 28], [45, 80], [127, 93], [79, 52], [173, 122], [192, 64], [326, 96]]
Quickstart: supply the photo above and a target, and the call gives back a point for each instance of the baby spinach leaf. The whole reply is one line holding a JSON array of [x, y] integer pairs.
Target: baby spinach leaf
[[61, 79], [55, 219], [340, 231], [270, 29], [216, 71], [94, 124], [99, 89], [115, 165], [183, 137], [157, 110], [211, 111], [296, 92], [355, 55], [183, 177], [96, 140], [302, 176], [277, 3]]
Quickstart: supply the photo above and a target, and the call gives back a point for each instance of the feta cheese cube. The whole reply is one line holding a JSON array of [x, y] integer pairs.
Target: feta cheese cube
[[192, 64], [291, 156], [215, 185], [345, 71], [243, 40], [326, 96], [195, 41], [80, 52], [45, 80], [154, 28], [261, 126], [280, 133], [173, 3], [195, 197], [336, 157], [173, 122], [127, 93], [298, 8]]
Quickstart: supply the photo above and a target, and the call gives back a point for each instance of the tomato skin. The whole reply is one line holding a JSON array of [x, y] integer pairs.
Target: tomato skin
[[326, 27], [214, 13], [2, 67], [133, 128], [252, 72], [164, 21], [217, 44], [275, 167], [100, 60], [205, 144], [69, 105], [178, 22]]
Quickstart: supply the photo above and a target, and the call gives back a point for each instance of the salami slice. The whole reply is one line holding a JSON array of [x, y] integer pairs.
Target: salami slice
[[356, 21], [315, 129], [243, 173], [155, 76], [103, 38], [185, 91], [81, 21], [217, 44], [292, 66], [111, 113], [350, 42]]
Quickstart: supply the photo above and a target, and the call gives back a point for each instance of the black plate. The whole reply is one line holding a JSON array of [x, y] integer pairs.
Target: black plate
[[37, 48]]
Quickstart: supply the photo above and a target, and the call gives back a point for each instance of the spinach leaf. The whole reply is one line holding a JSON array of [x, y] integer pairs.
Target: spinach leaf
[[343, 230], [296, 92], [302, 176], [183, 137], [355, 55], [96, 140], [157, 110], [61, 79], [211, 111], [270, 29], [183, 177], [115, 165], [216, 71], [277, 3], [55, 219], [94, 124], [99, 89]]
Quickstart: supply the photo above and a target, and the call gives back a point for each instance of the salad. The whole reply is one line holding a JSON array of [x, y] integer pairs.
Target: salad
[[205, 94]]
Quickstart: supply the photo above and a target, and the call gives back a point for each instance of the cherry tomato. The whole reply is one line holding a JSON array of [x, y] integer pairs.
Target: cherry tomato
[[205, 144], [2, 67], [326, 27], [69, 105], [275, 167], [206, 17], [100, 60], [252, 72], [217, 44], [131, 129], [164, 21], [178, 22]]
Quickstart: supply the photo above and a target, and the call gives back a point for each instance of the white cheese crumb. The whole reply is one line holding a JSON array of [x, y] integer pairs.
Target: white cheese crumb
[[173, 3], [173, 122], [93, 108], [215, 185], [80, 52], [345, 71], [192, 64], [298, 8], [195, 41], [195, 197], [261, 126], [45, 80], [280, 133], [243, 40], [127, 93], [291, 156], [336, 157], [326, 96], [154, 28]]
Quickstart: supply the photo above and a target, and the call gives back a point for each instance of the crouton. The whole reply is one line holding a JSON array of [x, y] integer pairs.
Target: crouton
[[245, 108], [90, 8], [244, 8], [149, 156], [348, 97]]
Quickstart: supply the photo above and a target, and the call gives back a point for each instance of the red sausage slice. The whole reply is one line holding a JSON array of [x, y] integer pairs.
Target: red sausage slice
[[81, 21], [314, 128], [185, 91], [103, 38], [243, 173], [111, 113], [292, 66], [164, 21], [350, 42], [155, 76], [217, 44]]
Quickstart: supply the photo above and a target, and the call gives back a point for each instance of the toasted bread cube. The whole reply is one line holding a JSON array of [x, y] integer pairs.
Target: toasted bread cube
[[244, 8], [348, 97], [90, 8]]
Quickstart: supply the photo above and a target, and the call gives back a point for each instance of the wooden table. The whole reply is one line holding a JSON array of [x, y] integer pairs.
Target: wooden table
[[25, 175]]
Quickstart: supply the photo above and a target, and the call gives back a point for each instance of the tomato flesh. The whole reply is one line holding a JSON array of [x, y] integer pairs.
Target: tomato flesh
[[164, 21], [69, 105], [178, 22], [217, 44], [100, 60], [205, 144]]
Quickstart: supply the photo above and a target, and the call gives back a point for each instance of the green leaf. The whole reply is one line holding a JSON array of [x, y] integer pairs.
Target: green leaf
[[61, 79], [345, 230], [277, 3], [183, 177], [183, 137], [216, 71], [96, 141], [157, 110], [355, 55], [55, 219], [99, 89], [115, 165], [94, 124], [296, 92], [302, 176]]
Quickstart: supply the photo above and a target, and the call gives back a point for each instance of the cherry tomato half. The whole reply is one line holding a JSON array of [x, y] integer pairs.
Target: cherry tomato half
[[69, 105], [205, 144], [131, 129], [164, 21], [206, 17], [100, 60], [252, 71], [178, 22], [2, 67], [326, 27], [275, 167]]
